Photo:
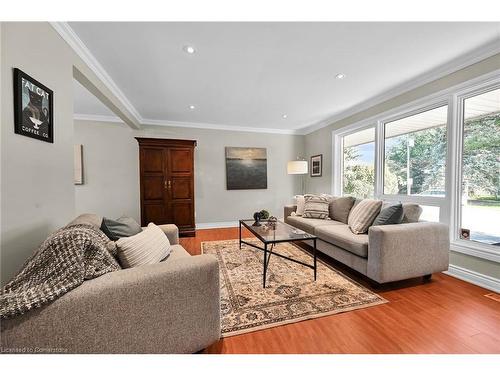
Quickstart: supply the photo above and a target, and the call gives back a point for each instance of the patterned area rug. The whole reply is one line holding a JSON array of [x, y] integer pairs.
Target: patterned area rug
[[291, 294]]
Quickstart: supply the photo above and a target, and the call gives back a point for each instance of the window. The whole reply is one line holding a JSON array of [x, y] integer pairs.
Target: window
[[480, 188], [358, 163], [450, 166], [415, 154]]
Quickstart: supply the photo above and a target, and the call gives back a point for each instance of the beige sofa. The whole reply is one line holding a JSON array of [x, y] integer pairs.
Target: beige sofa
[[169, 307], [387, 252]]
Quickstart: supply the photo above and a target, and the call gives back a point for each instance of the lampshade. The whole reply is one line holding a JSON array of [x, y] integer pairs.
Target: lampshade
[[297, 167]]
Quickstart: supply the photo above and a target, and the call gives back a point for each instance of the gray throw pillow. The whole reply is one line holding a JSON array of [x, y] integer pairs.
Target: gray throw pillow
[[392, 214], [340, 208], [411, 212], [121, 227]]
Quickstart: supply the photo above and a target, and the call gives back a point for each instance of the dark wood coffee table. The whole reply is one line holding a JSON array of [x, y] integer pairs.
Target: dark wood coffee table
[[269, 236]]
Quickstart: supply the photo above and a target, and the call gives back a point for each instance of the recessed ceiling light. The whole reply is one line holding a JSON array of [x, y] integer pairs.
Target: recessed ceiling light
[[192, 107], [340, 76], [284, 116], [189, 49]]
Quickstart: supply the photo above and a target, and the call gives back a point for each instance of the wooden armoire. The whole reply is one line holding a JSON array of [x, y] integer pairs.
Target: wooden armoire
[[167, 182]]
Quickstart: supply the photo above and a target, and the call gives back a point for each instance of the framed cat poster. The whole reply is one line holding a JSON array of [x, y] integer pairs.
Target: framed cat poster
[[33, 108]]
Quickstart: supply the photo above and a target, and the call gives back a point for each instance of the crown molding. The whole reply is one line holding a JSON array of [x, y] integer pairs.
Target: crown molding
[[201, 125], [68, 34], [472, 57], [97, 118], [180, 124]]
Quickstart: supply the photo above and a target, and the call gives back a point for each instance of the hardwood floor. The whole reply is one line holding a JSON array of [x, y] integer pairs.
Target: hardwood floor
[[444, 315]]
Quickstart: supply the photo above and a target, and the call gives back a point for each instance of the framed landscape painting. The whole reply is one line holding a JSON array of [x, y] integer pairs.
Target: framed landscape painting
[[246, 168], [33, 108], [316, 165]]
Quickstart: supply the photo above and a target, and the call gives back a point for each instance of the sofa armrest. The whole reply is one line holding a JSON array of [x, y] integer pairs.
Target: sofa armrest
[[289, 209], [403, 251], [169, 307], [171, 231]]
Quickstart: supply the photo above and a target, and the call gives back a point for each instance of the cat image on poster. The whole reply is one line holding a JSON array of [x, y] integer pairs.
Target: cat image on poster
[[34, 112]]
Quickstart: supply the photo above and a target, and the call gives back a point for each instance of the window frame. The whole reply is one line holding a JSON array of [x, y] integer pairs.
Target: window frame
[[475, 248], [450, 205], [440, 202], [338, 155]]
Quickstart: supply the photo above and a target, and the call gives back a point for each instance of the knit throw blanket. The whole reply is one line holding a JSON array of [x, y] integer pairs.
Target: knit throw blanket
[[63, 261]]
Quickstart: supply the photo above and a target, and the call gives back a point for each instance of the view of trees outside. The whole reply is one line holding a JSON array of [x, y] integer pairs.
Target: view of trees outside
[[424, 165], [359, 170], [481, 168]]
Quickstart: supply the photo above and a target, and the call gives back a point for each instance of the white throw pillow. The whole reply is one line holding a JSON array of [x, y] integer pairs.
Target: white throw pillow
[[300, 201], [362, 215], [148, 247]]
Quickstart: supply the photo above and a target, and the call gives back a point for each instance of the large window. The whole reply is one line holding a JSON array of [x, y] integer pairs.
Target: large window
[[358, 164], [480, 198], [415, 154], [448, 164]]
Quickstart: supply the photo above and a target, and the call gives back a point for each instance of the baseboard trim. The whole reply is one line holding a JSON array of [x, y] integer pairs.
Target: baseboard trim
[[474, 277], [219, 224]]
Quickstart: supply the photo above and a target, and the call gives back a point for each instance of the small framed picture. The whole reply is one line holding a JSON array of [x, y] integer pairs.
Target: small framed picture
[[316, 165], [33, 108]]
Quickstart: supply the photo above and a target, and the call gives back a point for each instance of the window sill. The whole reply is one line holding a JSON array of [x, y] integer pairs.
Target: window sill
[[477, 250]]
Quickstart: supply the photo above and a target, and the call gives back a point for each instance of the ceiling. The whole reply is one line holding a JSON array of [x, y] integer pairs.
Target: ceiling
[[251, 74]]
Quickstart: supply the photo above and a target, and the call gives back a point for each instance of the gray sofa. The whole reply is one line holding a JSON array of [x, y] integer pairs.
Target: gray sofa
[[169, 307], [387, 252]]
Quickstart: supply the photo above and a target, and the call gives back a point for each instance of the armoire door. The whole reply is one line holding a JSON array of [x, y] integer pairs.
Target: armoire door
[[181, 187], [154, 186], [167, 183]]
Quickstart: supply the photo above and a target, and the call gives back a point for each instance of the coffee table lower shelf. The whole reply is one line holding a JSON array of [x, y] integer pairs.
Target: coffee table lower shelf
[[268, 247]]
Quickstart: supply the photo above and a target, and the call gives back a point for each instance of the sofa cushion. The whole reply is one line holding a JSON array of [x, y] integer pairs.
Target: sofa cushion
[[392, 214], [308, 225], [341, 236], [363, 214], [176, 252], [316, 207], [411, 212], [147, 247]]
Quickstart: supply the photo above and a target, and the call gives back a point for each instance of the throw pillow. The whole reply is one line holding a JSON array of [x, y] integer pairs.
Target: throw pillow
[[300, 202], [316, 207], [148, 247], [340, 208], [392, 214], [411, 212], [363, 214], [121, 227]]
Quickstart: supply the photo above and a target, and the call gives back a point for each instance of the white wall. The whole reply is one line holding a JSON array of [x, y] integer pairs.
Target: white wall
[[37, 193], [109, 144], [111, 170]]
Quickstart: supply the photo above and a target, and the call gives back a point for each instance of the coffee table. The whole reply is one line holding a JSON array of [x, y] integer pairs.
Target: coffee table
[[271, 235]]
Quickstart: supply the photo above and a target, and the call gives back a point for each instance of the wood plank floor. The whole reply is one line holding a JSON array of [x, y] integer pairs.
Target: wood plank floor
[[445, 315]]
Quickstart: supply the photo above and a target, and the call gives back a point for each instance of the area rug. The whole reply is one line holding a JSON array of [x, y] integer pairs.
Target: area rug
[[291, 294]]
